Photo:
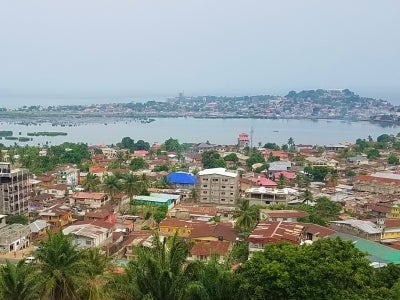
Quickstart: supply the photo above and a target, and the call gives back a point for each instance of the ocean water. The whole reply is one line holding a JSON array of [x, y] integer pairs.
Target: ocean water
[[216, 131]]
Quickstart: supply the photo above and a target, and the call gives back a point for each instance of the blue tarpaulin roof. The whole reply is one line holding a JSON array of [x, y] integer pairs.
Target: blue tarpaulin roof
[[181, 178]]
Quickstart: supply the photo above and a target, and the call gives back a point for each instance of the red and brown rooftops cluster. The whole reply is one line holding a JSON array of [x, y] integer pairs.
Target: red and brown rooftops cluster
[[209, 248], [270, 231]]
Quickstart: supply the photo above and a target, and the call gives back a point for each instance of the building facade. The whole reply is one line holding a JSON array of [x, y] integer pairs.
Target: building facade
[[218, 186], [14, 190]]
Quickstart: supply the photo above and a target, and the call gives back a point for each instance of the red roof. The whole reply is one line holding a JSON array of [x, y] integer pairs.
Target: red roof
[[140, 153], [380, 208], [377, 179], [286, 174], [224, 231], [286, 213], [209, 248], [173, 222], [392, 222], [198, 210], [271, 231], [86, 195], [264, 181]]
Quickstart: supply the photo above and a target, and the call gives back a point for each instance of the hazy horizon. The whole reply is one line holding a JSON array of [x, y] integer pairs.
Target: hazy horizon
[[96, 50]]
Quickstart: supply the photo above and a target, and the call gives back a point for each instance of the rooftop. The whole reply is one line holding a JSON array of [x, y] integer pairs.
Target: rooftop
[[217, 171]]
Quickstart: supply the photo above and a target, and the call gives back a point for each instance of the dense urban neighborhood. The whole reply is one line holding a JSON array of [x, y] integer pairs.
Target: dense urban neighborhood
[[201, 221]]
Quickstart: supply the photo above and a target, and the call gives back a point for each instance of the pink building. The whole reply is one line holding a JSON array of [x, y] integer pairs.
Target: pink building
[[243, 140]]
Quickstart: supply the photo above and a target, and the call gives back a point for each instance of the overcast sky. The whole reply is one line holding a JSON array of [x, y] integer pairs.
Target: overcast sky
[[92, 49]]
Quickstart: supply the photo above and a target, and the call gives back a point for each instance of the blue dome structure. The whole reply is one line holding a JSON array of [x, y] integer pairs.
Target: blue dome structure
[[181, 178]]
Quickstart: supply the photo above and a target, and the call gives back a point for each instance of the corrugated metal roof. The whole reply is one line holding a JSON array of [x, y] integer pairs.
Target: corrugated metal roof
[[376, 252]]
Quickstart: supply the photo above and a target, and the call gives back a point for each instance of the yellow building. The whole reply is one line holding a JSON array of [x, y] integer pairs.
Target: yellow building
[[170, 226], [394, 211], [391, 228], [56, 216]]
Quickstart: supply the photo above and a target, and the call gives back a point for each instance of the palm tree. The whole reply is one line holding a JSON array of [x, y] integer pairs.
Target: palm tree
[[62, 272], [17, 281], [97, 264], [291, 143], [131, 186], [281, 181], [212, 280], [112, 186], [159, 272], [307, 196], [120, 158], [333, 179], [91, 182], [246, 216]]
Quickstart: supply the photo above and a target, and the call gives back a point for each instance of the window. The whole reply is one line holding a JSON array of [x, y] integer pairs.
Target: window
[[205, 179], [222, 199], [231, 194], [204, 198], [204, 192], [204, 185], [222, 193], [223, 186], [88, 242], [215, 180]]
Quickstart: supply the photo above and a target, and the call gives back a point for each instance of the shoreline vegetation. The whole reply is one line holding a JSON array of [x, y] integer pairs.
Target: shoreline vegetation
[[46, 133], [9, 135]]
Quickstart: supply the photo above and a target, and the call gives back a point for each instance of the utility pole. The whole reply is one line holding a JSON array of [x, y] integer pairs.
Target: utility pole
[[251, 139]]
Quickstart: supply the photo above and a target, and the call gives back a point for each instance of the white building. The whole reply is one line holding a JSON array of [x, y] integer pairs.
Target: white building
[[86, 235], [218, 186]]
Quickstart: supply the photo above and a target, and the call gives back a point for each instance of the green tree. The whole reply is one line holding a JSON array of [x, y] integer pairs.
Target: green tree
[[307, 197], [132, 186], [138, 163], [160, 213], [17, 219], [62, 272], [172, 145], [212, 159], [327, 209], [291, 143], [327, 269], [272, 146], [161, 168], [112, 185], [246, 216], [255, 157], [282, 181], [231, 157], [18, 281], [159, 272], [373, 153], [91, 182], [212, 280], [120, 158], [96, 267], [393, 159]]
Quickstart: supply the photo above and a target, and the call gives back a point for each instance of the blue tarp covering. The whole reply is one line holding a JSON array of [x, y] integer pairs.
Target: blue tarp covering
[[181, 178]]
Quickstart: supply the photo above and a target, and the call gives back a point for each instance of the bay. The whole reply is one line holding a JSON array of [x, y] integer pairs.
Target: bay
[[106, 131]]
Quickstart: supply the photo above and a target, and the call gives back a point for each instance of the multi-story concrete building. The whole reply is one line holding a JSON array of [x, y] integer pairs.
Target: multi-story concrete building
[[14, 190], [218, 186]]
